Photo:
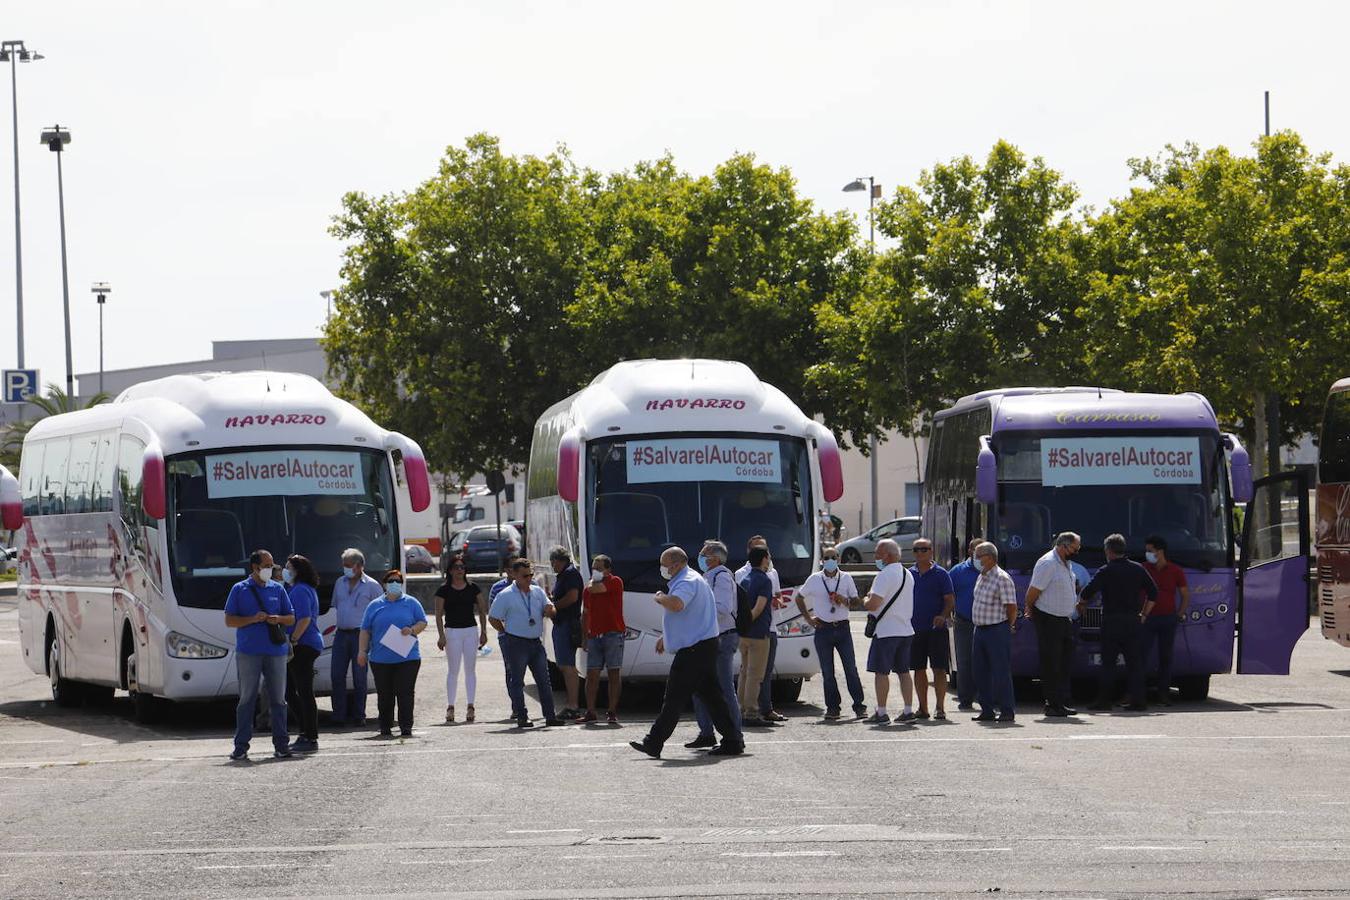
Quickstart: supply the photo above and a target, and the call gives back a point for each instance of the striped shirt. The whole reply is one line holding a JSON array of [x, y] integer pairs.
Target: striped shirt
[[993, 592]]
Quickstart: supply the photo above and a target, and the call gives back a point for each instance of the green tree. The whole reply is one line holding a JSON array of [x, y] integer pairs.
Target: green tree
[[1226, 275], [53, 403]]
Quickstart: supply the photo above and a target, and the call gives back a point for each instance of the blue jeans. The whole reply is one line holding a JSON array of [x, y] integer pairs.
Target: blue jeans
[[766, 686], [348, 707], [831, 639], [727, 645], [991, 650], [964, 632], [253, 667], [1162, 630], [519, 655]]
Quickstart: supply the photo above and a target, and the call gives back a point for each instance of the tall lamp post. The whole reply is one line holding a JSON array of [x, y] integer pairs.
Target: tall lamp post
[[871, 188], [100, 290], [56, 139], [328, 299], [14, 52]]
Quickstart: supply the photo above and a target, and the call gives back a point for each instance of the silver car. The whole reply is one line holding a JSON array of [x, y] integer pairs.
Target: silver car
[[863, 548]]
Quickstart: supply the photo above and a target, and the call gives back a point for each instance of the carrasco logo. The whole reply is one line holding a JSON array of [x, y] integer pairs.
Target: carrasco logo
[[1066, 418], [695, 403]]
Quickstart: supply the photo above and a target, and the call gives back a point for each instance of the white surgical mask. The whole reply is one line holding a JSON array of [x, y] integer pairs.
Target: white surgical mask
[[264, 575], [881, 564], [1151, 557], [597, 575], [394, 589], [667, 573], [831, 566], [348, 571], [288, 576]]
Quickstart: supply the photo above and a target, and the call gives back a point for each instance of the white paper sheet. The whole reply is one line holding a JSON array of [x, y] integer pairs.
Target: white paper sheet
[[397, 641]]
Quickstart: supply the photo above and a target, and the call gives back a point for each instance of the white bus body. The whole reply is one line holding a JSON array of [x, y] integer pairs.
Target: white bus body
[[138, 516], [659, 453]]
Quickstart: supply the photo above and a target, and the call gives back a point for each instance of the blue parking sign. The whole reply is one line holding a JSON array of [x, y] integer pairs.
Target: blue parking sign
[[20, 384]]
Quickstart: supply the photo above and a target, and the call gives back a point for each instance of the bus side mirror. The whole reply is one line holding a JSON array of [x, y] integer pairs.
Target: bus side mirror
[[986, 473], [569, 466], [1240, 467], [415, 473], [831, 464], [11, 503], [153, 488]]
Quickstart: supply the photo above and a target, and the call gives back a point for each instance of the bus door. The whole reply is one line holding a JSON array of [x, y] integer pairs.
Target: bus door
[[1274, 589]]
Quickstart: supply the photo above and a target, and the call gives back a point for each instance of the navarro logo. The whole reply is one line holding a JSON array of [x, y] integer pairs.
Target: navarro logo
[[1066, 418], [696, 403], [278, 419]]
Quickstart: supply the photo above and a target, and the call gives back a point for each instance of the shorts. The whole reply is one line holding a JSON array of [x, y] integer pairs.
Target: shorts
[[889, 654], [605, 651], [564, 647], [931, 650]]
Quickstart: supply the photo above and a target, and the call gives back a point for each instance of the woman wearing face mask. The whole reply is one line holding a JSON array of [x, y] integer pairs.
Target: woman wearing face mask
[[395, 673], [829, 592], [302, 586]]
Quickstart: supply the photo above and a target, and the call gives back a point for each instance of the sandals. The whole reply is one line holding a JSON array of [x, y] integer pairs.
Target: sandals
[[449, 714], [468, 716], [940, 715]]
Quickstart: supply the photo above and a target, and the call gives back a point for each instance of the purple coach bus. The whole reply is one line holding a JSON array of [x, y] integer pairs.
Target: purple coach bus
[[1019, 465]]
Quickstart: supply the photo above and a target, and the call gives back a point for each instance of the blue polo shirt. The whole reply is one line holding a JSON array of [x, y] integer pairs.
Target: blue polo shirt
[[929, 589], [963, 576], [305, 602], [521, 613], [698, 620], [757, 584], [246, 599], [404, 612]]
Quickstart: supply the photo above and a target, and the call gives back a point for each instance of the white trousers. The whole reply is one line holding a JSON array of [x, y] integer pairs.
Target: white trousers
[[461, 646]]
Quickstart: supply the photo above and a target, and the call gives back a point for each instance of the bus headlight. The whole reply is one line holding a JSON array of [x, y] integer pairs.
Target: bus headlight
[[184, 647], [631, 634], [796, 628]]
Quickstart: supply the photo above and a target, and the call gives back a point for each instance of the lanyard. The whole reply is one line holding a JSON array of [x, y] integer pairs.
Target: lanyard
[[831, 590]]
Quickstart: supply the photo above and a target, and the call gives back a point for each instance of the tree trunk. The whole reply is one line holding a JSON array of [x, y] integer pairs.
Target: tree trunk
[[1261, 438], [1273, 434]]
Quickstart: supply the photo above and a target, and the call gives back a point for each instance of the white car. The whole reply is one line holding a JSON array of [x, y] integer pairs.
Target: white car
[[863, 548], [9, 560]]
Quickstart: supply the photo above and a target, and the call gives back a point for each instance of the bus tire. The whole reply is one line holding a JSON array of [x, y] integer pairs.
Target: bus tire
[[786, 690], [851, 557], [65, 693], [1193, 688], [145, 708]]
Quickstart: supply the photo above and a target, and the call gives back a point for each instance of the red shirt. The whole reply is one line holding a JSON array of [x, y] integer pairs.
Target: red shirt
[[1169, 581], [604, 610]]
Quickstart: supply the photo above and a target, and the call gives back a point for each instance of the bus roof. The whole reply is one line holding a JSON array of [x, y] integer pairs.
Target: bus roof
[[1050, 409], [1342, 385], [227, 409], [651, 395]]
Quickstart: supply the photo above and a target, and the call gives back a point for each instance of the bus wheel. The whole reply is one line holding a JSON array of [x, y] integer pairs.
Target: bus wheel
[[145, 708], [786, 690], [64, 691], [1193, 687], [851, 557]]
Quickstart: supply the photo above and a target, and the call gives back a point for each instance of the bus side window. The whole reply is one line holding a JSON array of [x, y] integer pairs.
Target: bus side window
[[83, 453], [30, 477], [54, 472], [129, 456], [105, 473]]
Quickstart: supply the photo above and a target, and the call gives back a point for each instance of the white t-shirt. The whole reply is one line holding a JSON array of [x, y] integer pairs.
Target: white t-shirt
[[816, 593], [896, 621]]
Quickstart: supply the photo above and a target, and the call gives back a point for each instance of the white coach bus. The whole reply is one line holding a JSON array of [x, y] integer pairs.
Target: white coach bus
[[660, 453], [138, 516]]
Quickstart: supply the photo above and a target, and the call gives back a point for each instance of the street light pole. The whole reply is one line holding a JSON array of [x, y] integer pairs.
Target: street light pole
[[101, 290], [871, 188], [56, 139], [14, 52]]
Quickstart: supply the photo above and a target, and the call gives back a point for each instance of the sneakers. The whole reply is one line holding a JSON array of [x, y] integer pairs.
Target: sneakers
[[879, 718], [1007, 717], [449, 714], [726, 748], [282, 753], [239, 754], [774, 715], [907, 718], [570, 713], [304, 745], [703, 741], [524, 723], [921, 714], [832, 714], [644, 747], [555, 722], [860, 710], [983, 717]]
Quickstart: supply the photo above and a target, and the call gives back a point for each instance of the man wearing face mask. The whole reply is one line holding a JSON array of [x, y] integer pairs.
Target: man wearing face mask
[[1051, 600], [964, 575], [766, 710], [994, 613], [518, 613], [1166, 614], [755, 640], [255, 607], [712, 561], [829, 593], [352, 593]]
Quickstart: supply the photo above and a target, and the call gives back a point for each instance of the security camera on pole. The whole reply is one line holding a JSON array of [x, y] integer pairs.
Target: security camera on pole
[[56, 139], [100, 290]]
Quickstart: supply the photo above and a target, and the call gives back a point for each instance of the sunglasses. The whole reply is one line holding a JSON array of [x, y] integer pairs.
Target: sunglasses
[[923, 549]]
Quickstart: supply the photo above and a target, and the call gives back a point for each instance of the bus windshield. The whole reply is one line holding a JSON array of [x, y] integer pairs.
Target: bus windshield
[[315, 501], [1185, 505], [647, 494]]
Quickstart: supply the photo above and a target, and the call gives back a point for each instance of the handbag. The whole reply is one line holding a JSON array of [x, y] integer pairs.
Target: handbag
[[870, 629], [275, 633]]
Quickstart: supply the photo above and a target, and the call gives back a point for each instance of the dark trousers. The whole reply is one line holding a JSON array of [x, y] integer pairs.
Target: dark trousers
[[300, 691], [693, 672], [348, 706], [963, 631], [766, 686], [1122, 635], [831, 639], [520, 655], [727, 644], [1161, 630], [394, 682], [991, 658], [1054, 636]]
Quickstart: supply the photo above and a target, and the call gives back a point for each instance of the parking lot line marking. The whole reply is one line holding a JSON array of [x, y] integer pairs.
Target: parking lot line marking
[[1143, 847], [779, 853], [981, 850], [541, 830]]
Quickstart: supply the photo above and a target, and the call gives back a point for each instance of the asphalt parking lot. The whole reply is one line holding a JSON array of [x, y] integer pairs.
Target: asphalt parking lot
[[1241, 796]]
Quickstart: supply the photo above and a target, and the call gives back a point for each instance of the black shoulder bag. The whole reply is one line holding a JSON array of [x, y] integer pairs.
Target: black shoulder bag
[[275, 633], [870, 629]]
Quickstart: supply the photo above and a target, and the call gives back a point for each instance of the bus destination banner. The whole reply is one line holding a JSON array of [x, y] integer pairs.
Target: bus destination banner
[[703, 459], [289, 473], [1070, 462]]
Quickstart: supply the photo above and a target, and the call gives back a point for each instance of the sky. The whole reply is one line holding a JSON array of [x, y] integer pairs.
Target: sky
[[212, 143]]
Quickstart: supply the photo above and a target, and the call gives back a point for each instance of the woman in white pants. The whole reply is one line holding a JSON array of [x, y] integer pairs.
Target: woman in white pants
[[458, 603]]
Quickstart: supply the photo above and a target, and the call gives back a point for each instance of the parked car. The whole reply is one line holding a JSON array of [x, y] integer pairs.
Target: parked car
[[417, 560], [519, 525], [862, 549], [485, 546], [9, 559]]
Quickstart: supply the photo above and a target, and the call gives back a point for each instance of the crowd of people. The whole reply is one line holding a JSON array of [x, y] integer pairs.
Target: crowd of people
[[709, 617]]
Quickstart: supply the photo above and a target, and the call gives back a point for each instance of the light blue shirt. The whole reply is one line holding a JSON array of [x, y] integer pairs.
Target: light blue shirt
[[698, 620], [522, 614], [351, 602], [724, 593]]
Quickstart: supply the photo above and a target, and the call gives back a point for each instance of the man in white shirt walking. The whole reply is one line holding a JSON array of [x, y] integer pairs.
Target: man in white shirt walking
[[828, 593], [891, 600], [1051, 600]]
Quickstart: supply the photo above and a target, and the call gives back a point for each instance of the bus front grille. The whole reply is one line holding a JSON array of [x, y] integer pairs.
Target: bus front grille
[[1091, 618]]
